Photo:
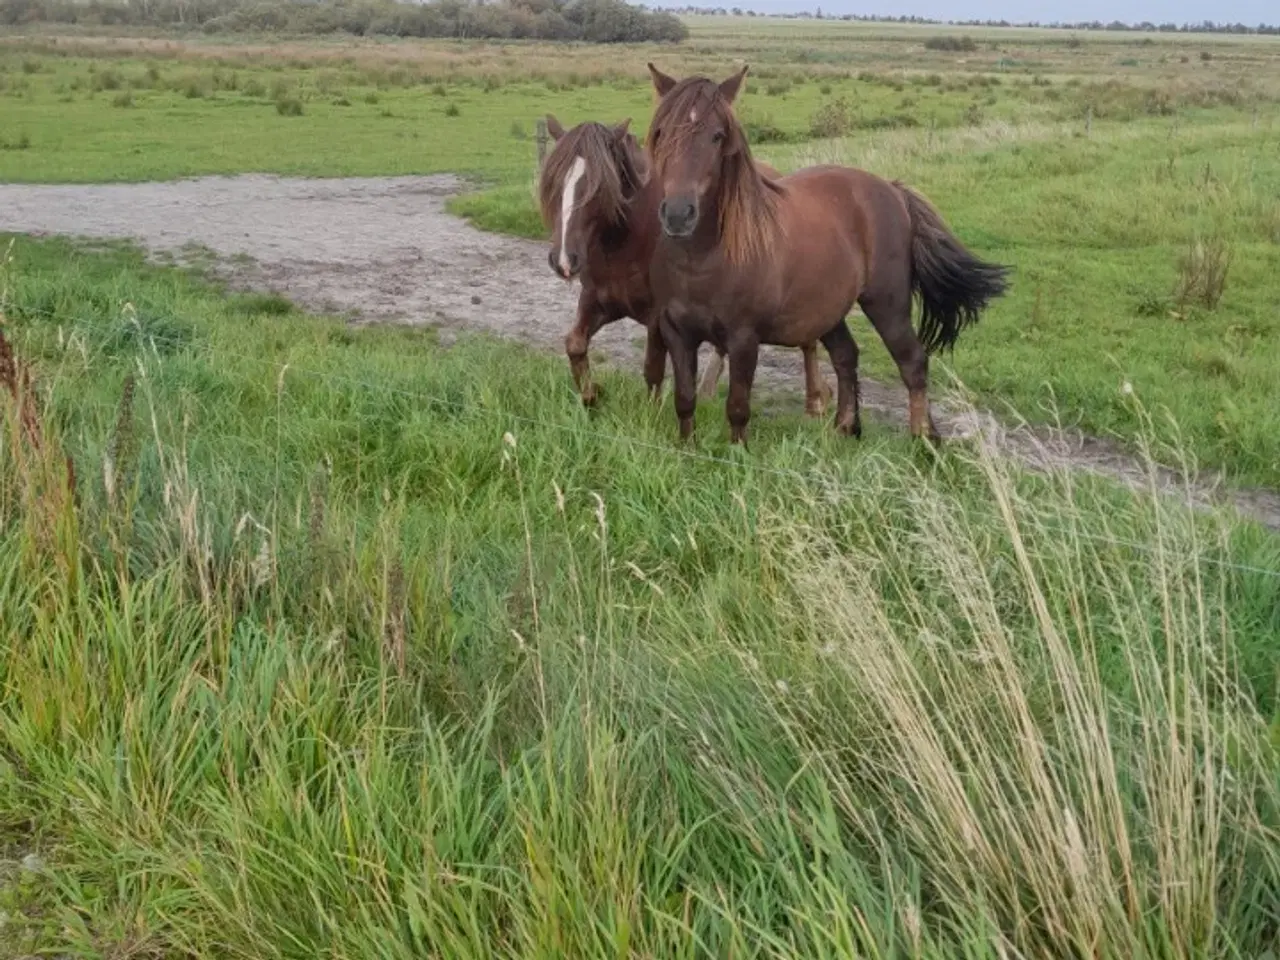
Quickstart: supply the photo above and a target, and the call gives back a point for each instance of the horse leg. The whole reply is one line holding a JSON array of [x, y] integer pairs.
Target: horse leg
[[843, 351], [817, 392], [744, 354], [711, 379], [684, 370], [590, 319], [891, 316], [655, 359]]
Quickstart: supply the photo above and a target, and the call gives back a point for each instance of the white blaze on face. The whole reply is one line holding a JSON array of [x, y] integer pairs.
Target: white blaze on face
[[568, 197]]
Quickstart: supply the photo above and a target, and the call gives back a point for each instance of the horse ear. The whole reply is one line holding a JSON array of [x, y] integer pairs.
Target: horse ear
[[554, 128], [661, 82], [620, 131], [729, 88]]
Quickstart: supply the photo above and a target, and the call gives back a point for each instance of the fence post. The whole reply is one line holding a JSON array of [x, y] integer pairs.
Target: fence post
[[541, 136], [1088, 120]]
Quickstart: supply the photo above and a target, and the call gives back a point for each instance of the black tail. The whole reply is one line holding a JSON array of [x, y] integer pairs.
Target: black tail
[[954, 285]]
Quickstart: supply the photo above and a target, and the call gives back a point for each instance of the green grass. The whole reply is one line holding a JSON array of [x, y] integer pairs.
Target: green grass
[[334, 652], [1094, 226]]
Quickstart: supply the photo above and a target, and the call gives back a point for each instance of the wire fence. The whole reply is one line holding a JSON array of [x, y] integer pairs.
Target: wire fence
[[129, 319]]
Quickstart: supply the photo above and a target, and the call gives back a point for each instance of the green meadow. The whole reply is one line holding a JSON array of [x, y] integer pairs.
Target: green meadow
[[326, 640], [1132, 185]]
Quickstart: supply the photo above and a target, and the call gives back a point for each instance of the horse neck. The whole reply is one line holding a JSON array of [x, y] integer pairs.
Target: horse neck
[[637, 232]]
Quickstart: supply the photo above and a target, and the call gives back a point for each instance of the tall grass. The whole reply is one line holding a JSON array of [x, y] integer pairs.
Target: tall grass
[[337, 655]]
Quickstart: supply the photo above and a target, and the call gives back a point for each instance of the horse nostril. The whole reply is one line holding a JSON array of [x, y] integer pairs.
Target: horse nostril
[[573, 262], [662, 210], [688, 213]]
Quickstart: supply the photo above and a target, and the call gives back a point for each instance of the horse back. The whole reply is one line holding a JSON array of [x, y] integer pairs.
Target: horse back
[[836, 207]]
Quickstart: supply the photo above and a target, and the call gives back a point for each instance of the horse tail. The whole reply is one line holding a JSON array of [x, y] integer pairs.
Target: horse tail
[[954, 285]]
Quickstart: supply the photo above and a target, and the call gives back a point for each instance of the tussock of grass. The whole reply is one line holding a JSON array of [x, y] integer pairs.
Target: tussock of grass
[[347, 656]]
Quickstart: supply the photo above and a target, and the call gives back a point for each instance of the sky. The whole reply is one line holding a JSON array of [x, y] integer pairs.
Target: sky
[[1250, 12]]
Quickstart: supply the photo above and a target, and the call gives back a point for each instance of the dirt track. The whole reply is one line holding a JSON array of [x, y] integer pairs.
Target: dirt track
[[385, 249]]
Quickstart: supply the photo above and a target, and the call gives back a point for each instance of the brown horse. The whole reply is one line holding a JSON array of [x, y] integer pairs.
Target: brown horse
[[744, 260], [602, 209]]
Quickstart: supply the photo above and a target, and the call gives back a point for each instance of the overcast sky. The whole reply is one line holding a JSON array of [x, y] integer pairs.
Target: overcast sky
[[1251, 12]]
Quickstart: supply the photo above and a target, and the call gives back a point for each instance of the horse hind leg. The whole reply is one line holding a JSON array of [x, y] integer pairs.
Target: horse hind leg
[[711, 379], [843, 351], [817, 392], [655, 359], [891, 316]]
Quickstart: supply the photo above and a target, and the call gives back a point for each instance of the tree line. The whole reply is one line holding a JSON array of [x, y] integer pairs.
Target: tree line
[[593, 21], [1146, 26]]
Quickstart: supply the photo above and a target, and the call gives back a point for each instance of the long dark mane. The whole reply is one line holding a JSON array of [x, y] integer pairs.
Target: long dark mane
[[615, 171], [747, 202]]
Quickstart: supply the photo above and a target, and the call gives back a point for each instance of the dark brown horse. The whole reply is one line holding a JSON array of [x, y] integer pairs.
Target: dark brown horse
[[602, 209], [744, 260]]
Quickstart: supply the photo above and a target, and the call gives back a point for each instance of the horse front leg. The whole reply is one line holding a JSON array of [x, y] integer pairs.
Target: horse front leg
[[577, 341], [684, 370], [744, 354]]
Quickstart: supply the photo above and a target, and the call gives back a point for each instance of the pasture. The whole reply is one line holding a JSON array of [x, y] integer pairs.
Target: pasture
[[364, 641]]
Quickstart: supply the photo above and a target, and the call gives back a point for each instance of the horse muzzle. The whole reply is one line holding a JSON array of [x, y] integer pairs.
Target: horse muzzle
[[679, 217], [564, 264]]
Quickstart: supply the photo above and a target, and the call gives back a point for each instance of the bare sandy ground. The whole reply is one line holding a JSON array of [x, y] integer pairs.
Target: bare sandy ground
[[384, 249]]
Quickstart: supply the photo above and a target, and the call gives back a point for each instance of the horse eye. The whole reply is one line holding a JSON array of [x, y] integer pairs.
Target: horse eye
[[718, 137]]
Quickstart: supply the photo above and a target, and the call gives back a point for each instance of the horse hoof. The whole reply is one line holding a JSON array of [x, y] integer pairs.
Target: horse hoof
[[850, 429], [590, 396]]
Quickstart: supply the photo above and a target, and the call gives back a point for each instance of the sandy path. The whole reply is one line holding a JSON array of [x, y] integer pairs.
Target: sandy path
[[385, 249]]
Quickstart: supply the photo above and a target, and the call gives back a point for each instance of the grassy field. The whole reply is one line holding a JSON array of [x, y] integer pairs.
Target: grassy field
[[1112, 173], [347, 644], [332, 652]]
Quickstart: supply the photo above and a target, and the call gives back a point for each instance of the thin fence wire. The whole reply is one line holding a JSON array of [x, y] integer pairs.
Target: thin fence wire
[[807, 478]]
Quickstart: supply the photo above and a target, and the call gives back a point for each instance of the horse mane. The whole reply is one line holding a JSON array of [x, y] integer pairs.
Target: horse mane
[[614, 171], [747, 201]]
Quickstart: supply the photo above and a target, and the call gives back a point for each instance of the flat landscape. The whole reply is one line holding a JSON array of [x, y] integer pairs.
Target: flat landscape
[[331, 623]]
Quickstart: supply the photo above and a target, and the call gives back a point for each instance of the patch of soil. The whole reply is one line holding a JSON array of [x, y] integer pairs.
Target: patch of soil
[[385, 249]]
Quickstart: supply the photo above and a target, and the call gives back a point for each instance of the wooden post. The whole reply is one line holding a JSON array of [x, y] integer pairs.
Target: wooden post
[[541, 136], [1088, 120], [1255, 115]]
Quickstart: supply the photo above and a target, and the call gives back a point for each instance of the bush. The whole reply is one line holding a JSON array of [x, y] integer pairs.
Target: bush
[[833, 119], [763, 129], [952, 44], [289, 107], [596, 21], [1202, 273]]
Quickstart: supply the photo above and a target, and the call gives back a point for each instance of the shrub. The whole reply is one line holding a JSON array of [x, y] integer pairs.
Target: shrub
[[289, 106], [107, 80], [833, 119], [952, 44], [762, 129], [1202, 273]]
